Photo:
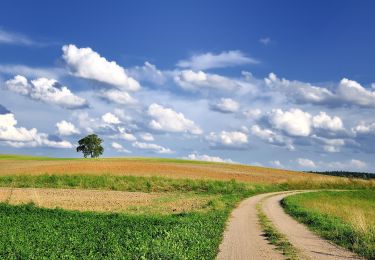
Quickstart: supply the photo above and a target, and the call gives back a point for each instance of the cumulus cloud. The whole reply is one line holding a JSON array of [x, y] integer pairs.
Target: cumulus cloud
[[306, 163], [221, 60], [207, 158], [233, 139], [324, 121], [46, 90], [353, 93], [277, 163], [88, 64], [330, 145], [120, 97], [22, 137], [123, 134], [166, 119], [119, 148], [364, 128], [348, 92], [146, 137], [349, 165], [66, 128], [152, 147], [253, 113], [148, 72], [294, 122], [111, 119], [226, 105], [271, 137], [199, 80]]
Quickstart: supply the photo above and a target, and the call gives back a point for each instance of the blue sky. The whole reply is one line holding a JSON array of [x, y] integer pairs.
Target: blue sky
[[276, 83]]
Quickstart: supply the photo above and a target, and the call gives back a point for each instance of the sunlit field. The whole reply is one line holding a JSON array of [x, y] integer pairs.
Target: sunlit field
[[346, 217]]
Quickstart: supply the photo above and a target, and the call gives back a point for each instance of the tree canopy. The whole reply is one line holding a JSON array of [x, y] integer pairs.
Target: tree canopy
[[90, 146]]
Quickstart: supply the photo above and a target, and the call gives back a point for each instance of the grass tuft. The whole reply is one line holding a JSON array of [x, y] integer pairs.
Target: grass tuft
[[275, 237]]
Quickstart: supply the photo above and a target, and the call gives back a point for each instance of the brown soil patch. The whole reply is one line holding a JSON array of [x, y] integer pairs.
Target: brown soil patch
[[150, 168], [103, 201]]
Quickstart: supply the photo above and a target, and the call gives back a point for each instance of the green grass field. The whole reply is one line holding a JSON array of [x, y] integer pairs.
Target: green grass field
[[344, 217], [28, 232]]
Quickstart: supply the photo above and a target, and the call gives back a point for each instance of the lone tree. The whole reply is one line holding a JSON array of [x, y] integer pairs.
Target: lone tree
[[90, 145]]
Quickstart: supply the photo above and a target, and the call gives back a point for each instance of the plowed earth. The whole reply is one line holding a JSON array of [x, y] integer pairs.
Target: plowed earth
[[105, 201]]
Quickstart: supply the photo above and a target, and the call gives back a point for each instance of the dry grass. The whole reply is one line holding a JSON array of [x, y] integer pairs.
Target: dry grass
[[107, 201], [142, 167], [359, 211]]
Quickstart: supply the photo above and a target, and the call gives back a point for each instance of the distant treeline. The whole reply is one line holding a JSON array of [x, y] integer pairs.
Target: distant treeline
[[362, 175]]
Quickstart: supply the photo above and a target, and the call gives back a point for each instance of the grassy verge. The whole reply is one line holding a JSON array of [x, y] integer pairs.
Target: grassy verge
[[347, 218], [134, 183], [274, 236]]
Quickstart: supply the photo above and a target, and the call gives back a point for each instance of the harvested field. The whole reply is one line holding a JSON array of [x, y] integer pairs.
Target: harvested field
[[106, 201], [151, 167]]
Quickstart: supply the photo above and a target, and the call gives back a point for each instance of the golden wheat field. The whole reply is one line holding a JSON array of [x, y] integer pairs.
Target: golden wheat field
[[150, 167]]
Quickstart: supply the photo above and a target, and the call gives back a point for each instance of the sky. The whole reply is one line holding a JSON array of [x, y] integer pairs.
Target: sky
[[286, 84]]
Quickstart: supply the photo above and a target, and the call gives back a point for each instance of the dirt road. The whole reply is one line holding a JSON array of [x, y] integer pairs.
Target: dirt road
[[243, 238], [309, 245]]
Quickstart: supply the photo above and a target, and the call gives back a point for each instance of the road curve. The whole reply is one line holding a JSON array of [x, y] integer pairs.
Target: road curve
[[243, 237], [309, 245]]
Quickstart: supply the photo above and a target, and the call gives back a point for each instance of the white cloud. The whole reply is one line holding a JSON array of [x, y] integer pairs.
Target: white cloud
[[352, 92], [271, 137], [191, 80], [207, 158], [324, 121], [22, 137], [210, 60], [35, 72], [9, 131], [166, 119], [306, 163], [88, 64], [253, 113], [229, 139], [348, 92], [152, 147], [350, 165], [15, 38], [146, 137], [125, 135], [295, 122], [117, 96], [46, 90], [277, 163], [364, 128], [66, 128], [300, 91], [148, 72], [226, 105], [119, 148], [111, 119]]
